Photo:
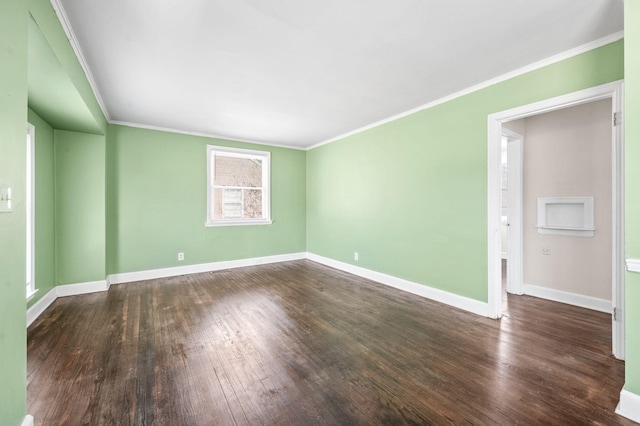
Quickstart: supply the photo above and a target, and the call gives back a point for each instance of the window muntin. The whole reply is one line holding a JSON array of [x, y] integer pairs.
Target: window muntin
[[238, 187]]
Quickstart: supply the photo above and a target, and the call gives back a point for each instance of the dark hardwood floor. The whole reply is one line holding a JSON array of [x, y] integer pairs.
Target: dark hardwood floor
[[298, 343]]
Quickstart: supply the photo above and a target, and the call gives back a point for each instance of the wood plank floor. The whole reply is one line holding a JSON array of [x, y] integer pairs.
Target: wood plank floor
[[298, 343]]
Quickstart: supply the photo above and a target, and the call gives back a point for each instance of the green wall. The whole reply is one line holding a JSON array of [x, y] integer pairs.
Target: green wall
[[51, 91], [45, 261], [410, 196], [80, 207], [13, 127], [632, 190], [75, 151], [71, 71], [157, 203]]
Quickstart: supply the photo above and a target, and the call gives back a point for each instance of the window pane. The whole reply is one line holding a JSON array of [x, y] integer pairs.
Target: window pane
[[237, 186], [252, 203], [229, 203], [239, 172], [217, 203]]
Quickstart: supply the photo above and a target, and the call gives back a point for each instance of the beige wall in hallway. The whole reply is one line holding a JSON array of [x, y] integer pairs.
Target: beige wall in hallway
[[515, 126], [568, 153]]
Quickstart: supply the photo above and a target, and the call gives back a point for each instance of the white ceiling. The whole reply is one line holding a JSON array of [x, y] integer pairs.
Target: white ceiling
[[300, 72]]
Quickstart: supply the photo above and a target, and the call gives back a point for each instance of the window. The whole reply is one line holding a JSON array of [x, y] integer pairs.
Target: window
[[238, 186]]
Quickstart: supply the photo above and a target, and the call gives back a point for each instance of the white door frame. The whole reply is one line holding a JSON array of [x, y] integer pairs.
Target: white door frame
[[514, 216], [613, 91], [30, 211]]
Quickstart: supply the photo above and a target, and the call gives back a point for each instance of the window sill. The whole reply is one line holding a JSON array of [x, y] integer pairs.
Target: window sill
[[31, 293], [239, 222]]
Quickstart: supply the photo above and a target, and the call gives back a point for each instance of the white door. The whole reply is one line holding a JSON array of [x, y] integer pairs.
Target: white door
[[514, 212]]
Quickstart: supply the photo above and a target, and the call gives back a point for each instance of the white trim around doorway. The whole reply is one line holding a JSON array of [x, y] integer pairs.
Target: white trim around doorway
[[613, 91]]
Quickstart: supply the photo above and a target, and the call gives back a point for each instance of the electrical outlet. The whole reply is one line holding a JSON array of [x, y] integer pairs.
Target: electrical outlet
[[180, 257], [355, 255], [546, 251]]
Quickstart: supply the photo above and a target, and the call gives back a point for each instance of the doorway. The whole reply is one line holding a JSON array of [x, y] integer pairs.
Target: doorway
[[612, 91], [511, 204]]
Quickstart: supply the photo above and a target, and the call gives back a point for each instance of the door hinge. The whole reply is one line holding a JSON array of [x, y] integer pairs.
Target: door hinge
[[615, 119], [615, 314]]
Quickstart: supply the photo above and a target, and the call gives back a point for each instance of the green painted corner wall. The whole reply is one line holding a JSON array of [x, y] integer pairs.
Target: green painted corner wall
[[632, 190], [47, 22], [70, 163], [52, 94], [13, 127], [156, 196], [410, 196], [45, 260], [80, 207]]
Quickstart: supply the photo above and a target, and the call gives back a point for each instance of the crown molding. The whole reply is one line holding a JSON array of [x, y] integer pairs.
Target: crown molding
[[66, 26], [504, 77], [202, 134], [62, 17]]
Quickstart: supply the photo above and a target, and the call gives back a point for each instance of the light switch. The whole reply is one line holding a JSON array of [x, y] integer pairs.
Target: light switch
[[5, 198]]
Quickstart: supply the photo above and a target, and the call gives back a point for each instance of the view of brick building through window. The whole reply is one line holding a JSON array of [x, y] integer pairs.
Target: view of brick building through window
[[237, 187]]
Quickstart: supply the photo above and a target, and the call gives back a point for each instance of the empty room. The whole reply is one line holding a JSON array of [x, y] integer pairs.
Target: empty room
[[292, 212]]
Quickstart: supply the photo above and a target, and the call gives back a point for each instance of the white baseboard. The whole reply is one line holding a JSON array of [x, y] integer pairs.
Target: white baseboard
[[81, 288], [461, 302], [28, 421], [629, 405], [40, 306], [62, 291], [199, 268], [600, 305], [95, 286]]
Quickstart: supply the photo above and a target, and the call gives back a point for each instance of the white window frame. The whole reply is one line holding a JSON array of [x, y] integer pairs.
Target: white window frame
[[265, 157]]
